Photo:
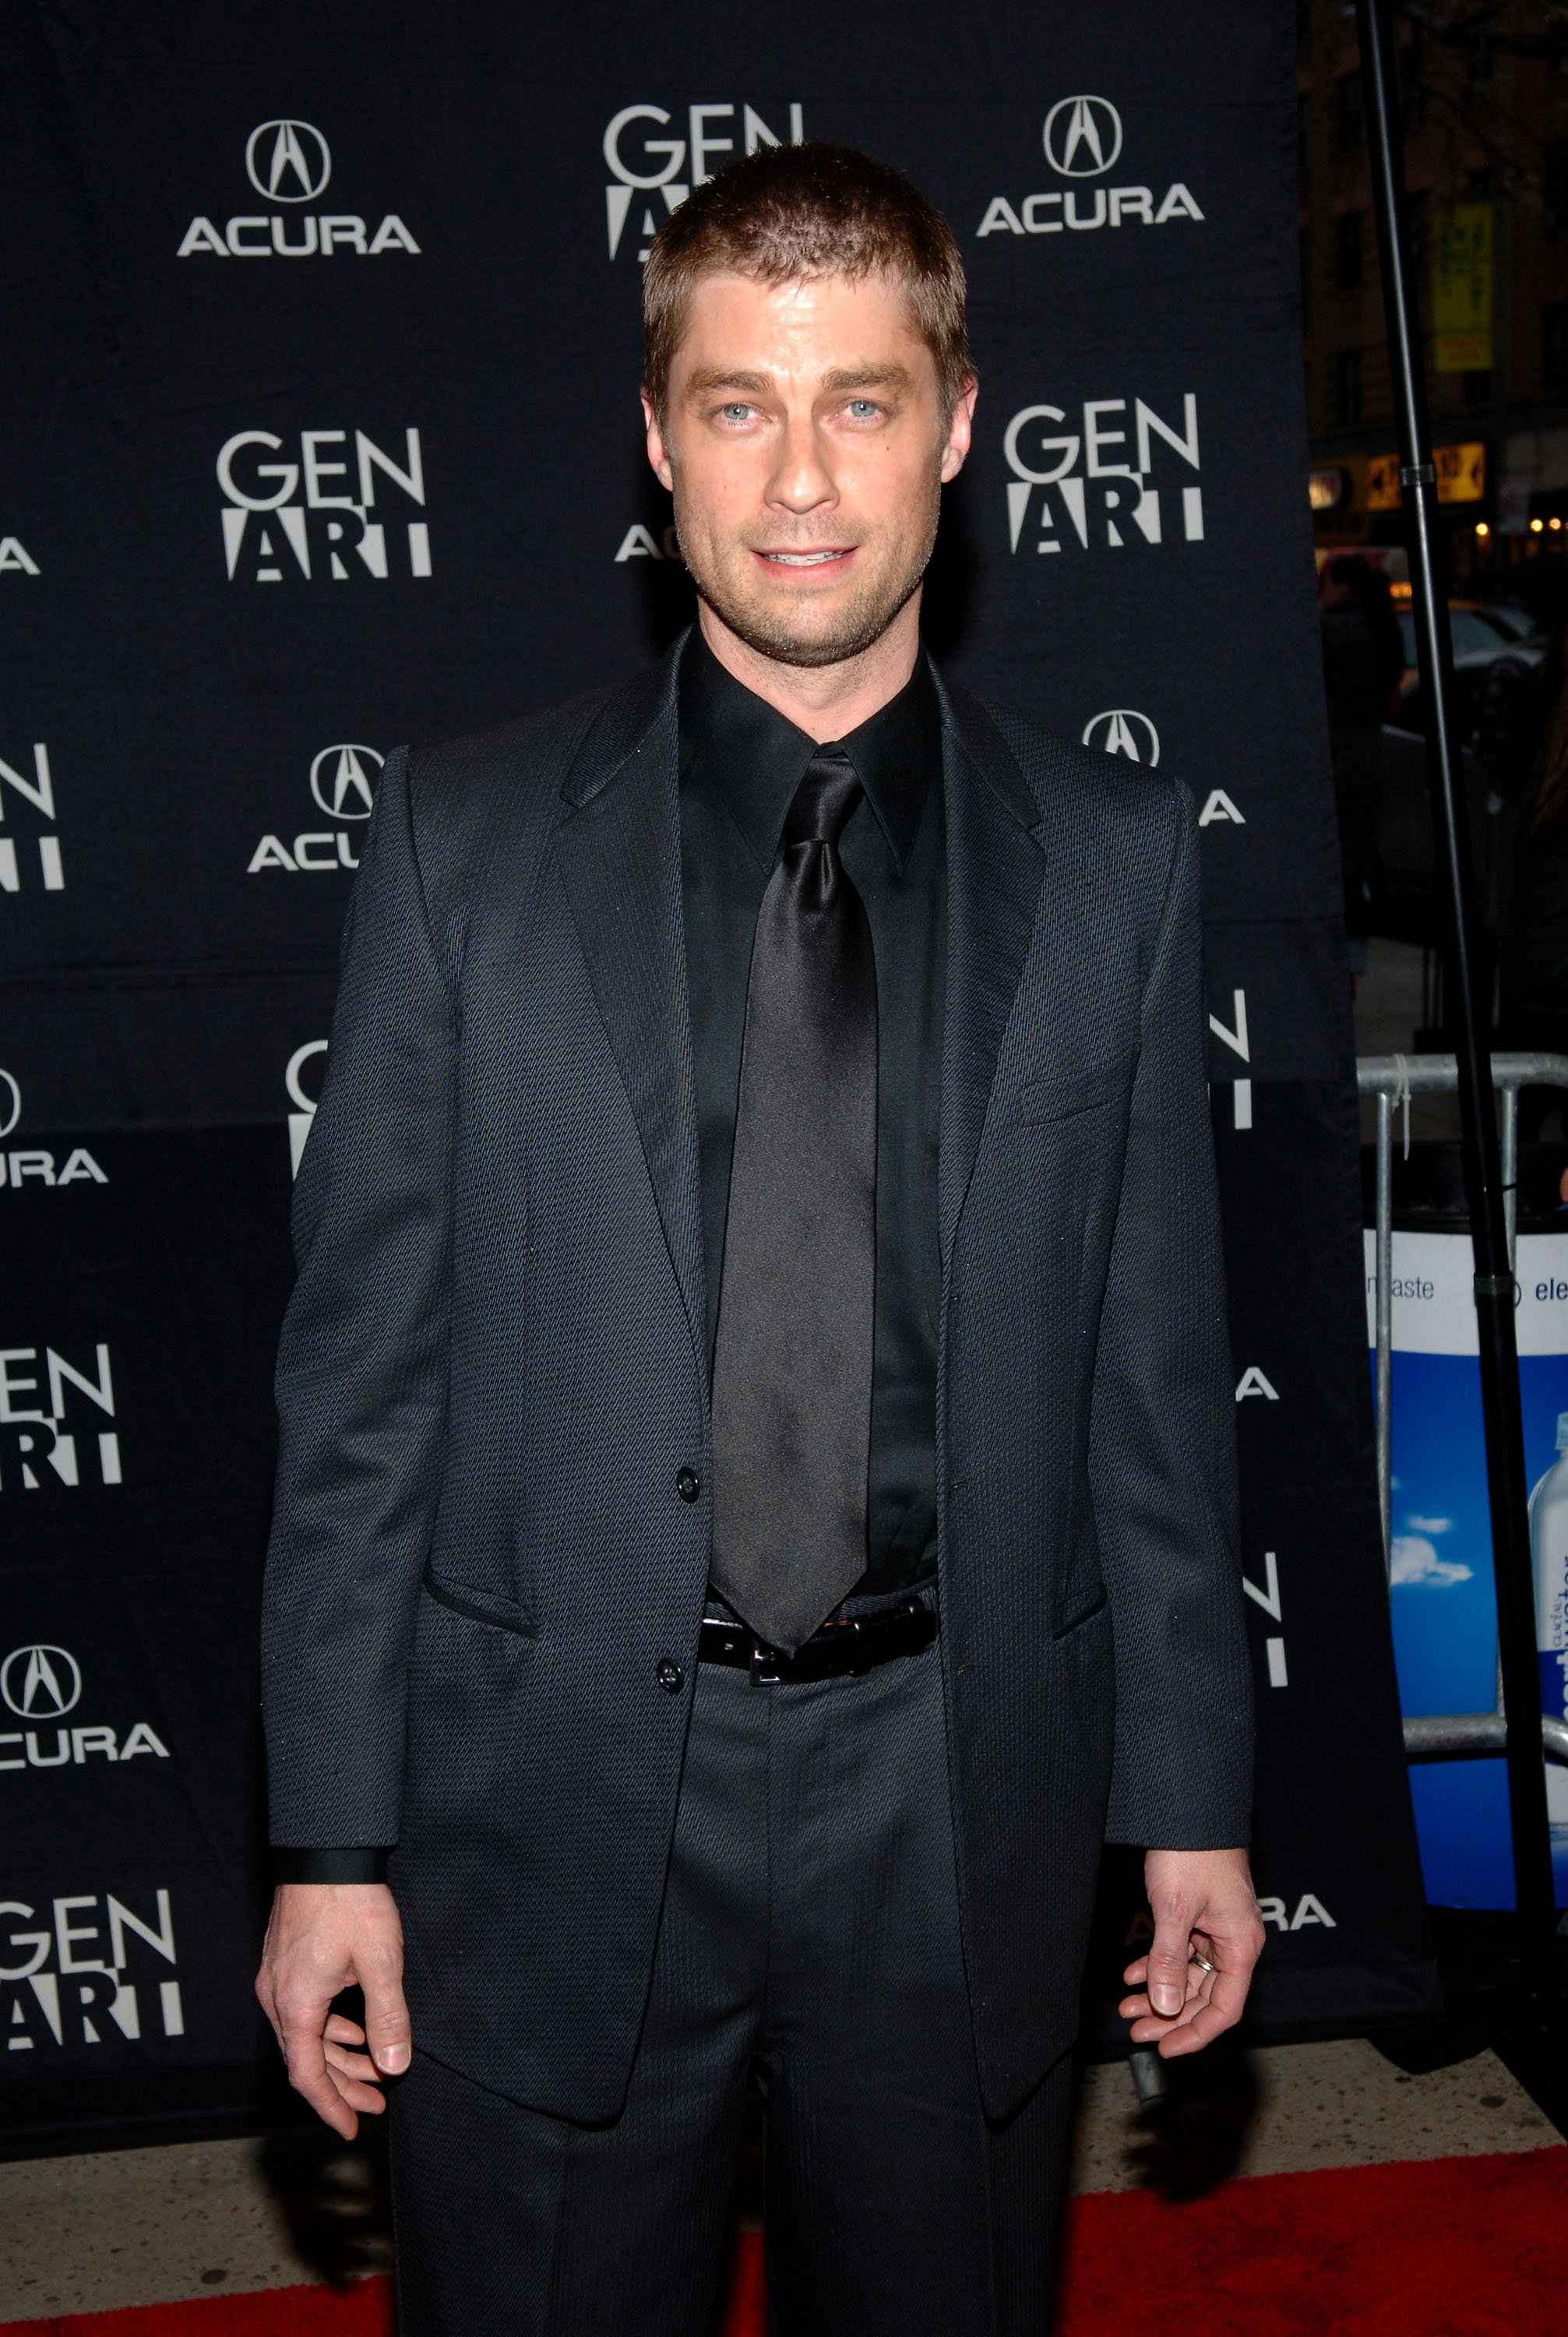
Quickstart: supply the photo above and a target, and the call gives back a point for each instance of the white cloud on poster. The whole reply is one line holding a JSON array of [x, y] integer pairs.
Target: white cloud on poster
[[1416, 1565]]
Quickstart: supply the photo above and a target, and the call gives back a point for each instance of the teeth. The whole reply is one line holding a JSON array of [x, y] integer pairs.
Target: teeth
[[802, 559]]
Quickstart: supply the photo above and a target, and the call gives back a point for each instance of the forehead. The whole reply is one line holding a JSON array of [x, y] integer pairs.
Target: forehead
[[812, 324]]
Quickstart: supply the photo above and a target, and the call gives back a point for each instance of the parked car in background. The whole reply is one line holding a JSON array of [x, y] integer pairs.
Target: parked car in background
[[1407, 894], [1499, 648], [1477, 630], [1518, 624], [1493, 664]]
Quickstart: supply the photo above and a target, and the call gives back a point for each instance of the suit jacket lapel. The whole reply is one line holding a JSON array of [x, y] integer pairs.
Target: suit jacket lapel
[[994, 871], [619, 845]]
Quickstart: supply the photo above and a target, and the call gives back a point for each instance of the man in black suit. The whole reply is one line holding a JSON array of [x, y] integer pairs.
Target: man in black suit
[[756, 1503]]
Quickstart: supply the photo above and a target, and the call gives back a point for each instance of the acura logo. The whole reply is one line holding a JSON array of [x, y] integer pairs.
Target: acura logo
[[297, 1062], [40, 1683], [342, 783], [288, 161], [1121, 730], [10, 1103], [1082, 136]]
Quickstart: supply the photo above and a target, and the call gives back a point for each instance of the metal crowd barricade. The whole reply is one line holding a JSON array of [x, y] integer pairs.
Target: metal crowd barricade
[[1393, 1080]]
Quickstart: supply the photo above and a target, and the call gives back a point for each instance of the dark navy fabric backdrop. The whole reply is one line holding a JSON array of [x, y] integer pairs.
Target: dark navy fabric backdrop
[[320, 409]]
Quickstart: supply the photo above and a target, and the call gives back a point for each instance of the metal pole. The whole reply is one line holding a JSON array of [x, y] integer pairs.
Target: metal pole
[[1482, 1177], [1385, 1323]]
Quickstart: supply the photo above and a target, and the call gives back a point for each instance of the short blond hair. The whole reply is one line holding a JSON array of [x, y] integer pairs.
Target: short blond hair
[[789, 212]]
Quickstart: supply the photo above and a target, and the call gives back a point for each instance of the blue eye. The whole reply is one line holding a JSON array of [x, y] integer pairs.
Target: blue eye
[[863, 407], [735, 412]]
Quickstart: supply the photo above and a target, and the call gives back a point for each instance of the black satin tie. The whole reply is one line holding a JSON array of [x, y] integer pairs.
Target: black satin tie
[[792, 1359]]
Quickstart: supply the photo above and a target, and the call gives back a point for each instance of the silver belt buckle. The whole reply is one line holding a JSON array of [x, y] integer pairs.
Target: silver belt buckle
[[764, 1664]]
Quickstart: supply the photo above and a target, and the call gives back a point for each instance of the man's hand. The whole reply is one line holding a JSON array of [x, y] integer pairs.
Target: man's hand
[[1202, 1901], [324, 1937]]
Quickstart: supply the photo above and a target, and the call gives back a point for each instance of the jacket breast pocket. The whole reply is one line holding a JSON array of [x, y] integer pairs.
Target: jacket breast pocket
[[480, 1606], [1063, 1095], [1077, 1606]]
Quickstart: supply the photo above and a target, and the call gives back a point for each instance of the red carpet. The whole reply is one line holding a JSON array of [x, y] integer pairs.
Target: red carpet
[[1440, 2247]]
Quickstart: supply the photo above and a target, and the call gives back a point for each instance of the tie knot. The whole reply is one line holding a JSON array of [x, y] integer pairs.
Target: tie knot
[[825, 799]]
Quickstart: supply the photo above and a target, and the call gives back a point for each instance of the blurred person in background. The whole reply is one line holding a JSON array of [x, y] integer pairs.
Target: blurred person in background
[[1533, 917], [1376, 598], [1363, 658]]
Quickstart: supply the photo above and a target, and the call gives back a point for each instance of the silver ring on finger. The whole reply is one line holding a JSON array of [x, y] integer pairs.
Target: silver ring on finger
[[1202, 1960]]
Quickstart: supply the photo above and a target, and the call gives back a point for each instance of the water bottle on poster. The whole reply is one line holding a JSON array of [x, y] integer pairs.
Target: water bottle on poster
[[1442, 1589], [1549, 1557]]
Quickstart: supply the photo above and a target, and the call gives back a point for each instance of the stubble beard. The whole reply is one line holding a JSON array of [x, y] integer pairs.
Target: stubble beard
[[860, 624]]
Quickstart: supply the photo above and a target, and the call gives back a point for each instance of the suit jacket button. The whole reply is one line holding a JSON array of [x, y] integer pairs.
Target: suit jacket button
[[688, 1484], [670, 1676]]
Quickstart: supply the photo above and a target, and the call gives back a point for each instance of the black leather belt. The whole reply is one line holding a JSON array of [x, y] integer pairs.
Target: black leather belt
[[857, 1643]]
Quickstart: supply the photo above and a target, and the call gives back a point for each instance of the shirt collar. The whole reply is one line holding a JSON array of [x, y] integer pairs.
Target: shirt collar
[[753, 758]]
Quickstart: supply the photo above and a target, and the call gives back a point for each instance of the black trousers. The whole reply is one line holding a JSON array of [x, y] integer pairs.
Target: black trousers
[[809, 1933]]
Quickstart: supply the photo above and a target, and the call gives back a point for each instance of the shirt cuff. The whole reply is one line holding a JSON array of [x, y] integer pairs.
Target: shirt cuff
[[359, 1864]]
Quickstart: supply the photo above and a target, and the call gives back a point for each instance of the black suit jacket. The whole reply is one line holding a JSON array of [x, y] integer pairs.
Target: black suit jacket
[[493, 1373]]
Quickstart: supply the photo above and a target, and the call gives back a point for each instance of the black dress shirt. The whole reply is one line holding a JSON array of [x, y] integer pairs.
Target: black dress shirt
[[741, 764]]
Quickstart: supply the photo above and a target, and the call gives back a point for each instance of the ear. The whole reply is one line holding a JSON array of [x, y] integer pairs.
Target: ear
[[658, 453], [960, 430]]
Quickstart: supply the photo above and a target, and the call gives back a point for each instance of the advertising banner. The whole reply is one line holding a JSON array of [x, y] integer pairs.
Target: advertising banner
[[1443, 1590], [322, 397], [1462, 240]]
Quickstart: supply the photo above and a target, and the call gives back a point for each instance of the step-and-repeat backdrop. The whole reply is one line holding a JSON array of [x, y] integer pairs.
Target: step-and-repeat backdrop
[[319, 410]]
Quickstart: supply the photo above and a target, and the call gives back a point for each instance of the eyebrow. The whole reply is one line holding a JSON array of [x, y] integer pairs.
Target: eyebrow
[[712, 377], [707, 378], [893, 377]]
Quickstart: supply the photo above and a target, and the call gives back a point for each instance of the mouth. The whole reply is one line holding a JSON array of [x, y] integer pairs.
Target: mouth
[[830, 560]]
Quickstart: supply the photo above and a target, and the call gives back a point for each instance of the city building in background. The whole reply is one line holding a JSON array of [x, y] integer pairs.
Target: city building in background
[[1484, 91]]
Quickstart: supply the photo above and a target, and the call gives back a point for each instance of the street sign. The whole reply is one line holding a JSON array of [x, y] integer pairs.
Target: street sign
[[1461, 475]]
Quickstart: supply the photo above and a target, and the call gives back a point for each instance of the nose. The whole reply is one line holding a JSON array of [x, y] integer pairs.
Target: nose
[[801, 480]]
